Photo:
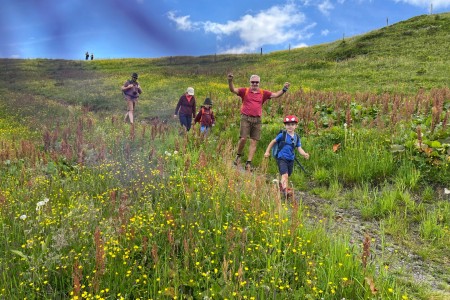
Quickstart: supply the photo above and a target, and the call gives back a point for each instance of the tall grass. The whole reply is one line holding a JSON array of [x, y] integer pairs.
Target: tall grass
[[165, 221]]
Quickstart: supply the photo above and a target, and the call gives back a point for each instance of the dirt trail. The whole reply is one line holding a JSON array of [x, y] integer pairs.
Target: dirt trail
[[401, 260]]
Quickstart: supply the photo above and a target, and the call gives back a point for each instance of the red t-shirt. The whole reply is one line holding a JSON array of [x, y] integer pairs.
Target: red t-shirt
[[252, 102]]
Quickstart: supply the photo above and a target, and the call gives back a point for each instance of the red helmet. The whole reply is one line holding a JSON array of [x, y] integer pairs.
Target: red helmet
[[290, 119]]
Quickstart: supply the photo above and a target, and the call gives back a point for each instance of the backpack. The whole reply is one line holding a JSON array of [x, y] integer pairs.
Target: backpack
[[279, 145], [206, 118]]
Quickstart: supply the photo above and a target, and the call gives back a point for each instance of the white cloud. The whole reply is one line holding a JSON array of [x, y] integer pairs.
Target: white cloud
[[324, 32], [269, 27], [426, 3], [325, 7], [301, 45], [183, 23]]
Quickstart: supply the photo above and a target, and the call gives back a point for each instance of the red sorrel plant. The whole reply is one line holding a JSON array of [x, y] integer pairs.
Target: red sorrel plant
[[112, 199], [80, 142], [186, 250], [77, 276], [3, 201], [154, 254], [144, 244], [99, 259], [419, 136], [366, 250], [123, 210]]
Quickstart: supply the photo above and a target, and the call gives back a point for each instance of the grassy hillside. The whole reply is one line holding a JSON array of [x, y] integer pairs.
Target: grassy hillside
[[91, 207], [401, 58]]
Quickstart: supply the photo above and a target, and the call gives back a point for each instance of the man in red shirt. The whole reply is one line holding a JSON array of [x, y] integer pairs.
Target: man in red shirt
[[252, 100]]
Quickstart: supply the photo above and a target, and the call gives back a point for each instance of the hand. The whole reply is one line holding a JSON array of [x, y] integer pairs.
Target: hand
[[287, 84], [267, 154], [174, 116], [230, 76], [306, 155]]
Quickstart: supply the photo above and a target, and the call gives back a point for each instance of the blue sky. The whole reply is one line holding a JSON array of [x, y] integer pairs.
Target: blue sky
[[66, 29]]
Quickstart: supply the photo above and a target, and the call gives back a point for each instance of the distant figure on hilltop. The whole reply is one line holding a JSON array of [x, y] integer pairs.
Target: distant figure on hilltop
[[92, 56], [253, 99], [87, 55], [131, 91]]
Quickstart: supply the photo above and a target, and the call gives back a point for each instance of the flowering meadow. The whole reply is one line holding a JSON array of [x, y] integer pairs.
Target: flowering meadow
[[98, 209], [94, 211]]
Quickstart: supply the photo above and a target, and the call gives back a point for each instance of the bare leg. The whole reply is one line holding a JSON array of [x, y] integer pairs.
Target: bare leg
[[240, 149], [130, 106], [241, 145], [252, 149], [130, 115], [284, 181]]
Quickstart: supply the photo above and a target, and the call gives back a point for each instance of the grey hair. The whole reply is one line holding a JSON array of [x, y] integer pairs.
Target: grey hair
[[254, 75]]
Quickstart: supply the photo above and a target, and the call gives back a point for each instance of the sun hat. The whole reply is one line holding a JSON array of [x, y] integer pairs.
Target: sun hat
[[207, 102], [290, 119], [190, 91]]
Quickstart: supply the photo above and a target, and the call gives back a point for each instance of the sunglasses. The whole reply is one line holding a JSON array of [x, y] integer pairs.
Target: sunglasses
[[254, 82]]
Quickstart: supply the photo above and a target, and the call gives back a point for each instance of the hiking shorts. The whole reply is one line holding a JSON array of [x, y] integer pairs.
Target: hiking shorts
[[285, 166], [131, 103], [250, 127]]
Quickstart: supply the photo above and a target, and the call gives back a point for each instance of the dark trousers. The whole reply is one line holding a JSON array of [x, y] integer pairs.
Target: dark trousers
[[186, 121]]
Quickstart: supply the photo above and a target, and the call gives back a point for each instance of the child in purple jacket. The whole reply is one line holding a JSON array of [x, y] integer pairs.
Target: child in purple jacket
[[205, 117]]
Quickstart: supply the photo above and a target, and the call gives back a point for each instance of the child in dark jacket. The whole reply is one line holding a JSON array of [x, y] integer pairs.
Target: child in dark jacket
[[205, 117]]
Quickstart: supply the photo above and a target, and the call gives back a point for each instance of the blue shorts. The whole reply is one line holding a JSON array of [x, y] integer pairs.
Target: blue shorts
[[285, 166]]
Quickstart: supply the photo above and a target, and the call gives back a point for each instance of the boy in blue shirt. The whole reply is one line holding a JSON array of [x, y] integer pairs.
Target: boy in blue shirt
[[287, 142]]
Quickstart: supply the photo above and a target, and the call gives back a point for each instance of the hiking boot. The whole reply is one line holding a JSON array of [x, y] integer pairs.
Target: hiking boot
[[248, 166], [287, 192]]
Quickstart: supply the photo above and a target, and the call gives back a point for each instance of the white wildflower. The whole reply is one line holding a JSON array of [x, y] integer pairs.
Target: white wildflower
[[167, 153], [175, 152], [41, 203], [275, 181], [446, 191], [23, 217]]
